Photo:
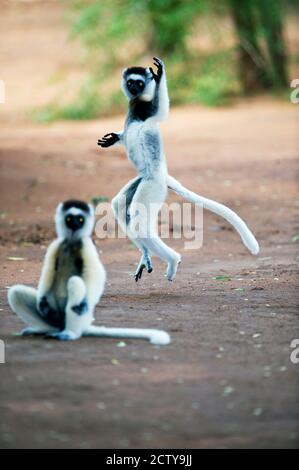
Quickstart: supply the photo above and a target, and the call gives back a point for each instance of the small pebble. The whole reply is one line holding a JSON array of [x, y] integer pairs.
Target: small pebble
[[257, 411], [227, 391], [101, 405]]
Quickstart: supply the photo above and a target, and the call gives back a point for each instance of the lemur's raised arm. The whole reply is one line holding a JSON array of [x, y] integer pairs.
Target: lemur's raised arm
[[161, 91]]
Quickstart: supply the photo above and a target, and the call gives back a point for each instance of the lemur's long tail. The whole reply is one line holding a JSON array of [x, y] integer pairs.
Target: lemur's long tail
[[157, 337], [219, 209]]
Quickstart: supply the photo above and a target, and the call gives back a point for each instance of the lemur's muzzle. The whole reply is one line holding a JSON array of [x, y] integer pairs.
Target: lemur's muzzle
[[134, 90], [74, 222]]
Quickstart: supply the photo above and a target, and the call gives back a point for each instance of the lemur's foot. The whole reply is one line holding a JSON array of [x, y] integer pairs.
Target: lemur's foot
[[139, 271], [108, 140], [32, 332], [145, 263], [172, 268], [65, 335]]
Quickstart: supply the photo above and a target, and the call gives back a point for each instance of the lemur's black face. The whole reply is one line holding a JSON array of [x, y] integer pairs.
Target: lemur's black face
[[74, 219], [136, 81], [74, 222], [135, 87]]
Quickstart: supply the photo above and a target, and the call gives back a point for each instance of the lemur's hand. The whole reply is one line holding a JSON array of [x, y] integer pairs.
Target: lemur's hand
[[108, 140], [160, 69]]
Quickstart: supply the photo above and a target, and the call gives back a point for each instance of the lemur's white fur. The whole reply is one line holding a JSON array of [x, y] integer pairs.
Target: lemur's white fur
[[135, 76], [219, 209], [87, 288], [142, 140], [157, 337], [149, 91]]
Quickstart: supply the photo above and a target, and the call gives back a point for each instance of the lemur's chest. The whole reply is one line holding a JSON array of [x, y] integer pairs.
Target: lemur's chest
[[143, 144], [69, 262]]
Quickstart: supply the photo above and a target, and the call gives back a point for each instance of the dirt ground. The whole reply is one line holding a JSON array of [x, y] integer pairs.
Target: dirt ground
[[226, 380]]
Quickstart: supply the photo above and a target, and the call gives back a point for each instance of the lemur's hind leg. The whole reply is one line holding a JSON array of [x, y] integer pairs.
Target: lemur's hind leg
[[78, 314], [149, 198], [120, 206], [23, 301], [173, 259]]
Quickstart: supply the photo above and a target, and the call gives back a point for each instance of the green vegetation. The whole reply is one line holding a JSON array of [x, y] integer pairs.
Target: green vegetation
[[95, 200], [117, 33], [217, 82]]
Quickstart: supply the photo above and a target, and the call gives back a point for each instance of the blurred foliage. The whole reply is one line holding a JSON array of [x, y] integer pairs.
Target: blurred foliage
[[118, 33], [262, 51], [170, 22], [95, 200], [86, 106]]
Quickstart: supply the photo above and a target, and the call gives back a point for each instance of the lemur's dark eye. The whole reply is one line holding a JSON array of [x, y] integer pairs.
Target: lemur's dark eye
[[129, 82], [140, 84], [68, 219], [81, 220]]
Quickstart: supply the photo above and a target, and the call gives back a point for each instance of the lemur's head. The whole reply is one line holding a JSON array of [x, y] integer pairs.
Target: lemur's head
[[138, 83], [74, 219]]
